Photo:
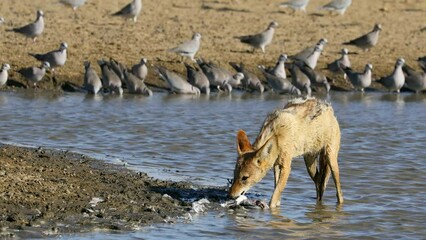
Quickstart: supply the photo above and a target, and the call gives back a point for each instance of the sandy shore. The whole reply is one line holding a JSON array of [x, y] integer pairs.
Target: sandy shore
[[92, 34], [49, 192]]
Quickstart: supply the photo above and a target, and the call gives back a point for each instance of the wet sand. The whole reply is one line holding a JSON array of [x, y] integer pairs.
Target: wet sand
[[92, 34], [48, 192]]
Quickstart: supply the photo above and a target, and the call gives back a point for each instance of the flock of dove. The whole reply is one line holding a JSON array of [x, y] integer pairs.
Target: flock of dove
[[203, 76]]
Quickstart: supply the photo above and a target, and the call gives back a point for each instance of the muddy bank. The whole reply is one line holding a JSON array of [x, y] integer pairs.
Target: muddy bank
[[49, 192]]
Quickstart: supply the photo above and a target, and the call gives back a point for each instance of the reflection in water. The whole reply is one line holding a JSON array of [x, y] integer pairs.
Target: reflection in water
[[192, 138]]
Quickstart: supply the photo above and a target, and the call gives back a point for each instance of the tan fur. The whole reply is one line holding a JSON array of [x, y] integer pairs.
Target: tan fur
[[305, 127]]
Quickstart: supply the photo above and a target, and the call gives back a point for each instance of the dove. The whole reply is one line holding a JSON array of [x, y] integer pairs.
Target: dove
[[279, 85], [295, 5], [343, 61], [415, 81], [317, 78], [395, 81], [360, 80], [92, 82], [56, 58], [135, 84], [110, 80], [131, 10], [73, 3], [305, 53], [260, 40], [367, 41], [338, 6], [197, 78], [235, 81], [117, 67], [4, 75], [312, 60], [34, 29], [217, 76], [140, 70], [176, 83], [279, 69], [188, 48], [422, 62], [300, 80], [34, 74], [250, 81]]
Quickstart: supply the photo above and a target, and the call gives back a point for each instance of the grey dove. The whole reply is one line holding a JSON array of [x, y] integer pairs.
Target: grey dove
[[140, 69], [135, 84], [260, 40], [236, 80], [305, 53], [422, 62], [177, 84], [4, 75], [117, 67], [367, 41], [300, 80], [188, 48], [73, 3], [343, 61], [197, 78], [395, 81], [217, 76], [414, 80], [110, 80], [34, 74], [56, 58], [312, 60], [295, 5], [279, 69], [34, 29], [360, 80], [339, 6], [250, 82], [279, 85], [131, 10], [317, 78], [92, 82]]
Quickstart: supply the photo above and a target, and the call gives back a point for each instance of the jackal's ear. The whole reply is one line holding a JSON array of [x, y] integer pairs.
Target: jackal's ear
[[243, 143]]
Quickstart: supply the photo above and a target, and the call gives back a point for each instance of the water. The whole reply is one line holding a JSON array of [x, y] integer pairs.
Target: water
[[193, 139]]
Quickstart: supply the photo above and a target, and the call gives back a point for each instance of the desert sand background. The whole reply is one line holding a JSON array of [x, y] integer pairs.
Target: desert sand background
[[92, 33]]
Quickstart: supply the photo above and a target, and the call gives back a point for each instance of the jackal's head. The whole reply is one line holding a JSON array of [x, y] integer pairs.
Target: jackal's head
[[252, 164]]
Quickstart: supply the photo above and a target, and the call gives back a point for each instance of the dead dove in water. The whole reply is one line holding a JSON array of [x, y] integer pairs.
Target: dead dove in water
[[260, 40], [34, 29]]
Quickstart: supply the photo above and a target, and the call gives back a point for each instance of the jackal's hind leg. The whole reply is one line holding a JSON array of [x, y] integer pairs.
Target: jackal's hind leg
[[311, 166], [334, 166], [323, 175]]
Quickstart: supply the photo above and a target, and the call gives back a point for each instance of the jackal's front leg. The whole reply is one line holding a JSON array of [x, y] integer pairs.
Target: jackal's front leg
[[282, 172]]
